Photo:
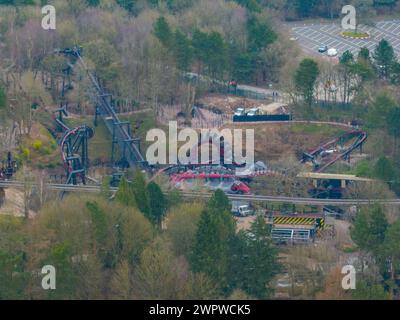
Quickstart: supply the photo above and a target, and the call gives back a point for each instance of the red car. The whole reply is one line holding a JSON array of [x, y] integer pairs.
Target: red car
[[240, 188]]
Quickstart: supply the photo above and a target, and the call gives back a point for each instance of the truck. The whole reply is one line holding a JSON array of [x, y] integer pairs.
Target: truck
[[241, 209]]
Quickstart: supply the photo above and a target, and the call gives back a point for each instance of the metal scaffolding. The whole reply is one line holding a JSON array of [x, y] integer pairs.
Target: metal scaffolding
[[74, 148], [129, 147]]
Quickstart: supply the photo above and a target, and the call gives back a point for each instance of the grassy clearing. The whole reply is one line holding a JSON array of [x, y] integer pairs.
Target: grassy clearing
[[334, 112], [39, 150], [316, 129], [356, 35], [100, 145]]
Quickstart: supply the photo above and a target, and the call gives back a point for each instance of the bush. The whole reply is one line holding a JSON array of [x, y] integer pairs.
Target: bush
[[3, 98], [26, 153], [353, 34], [45, 151], [37, 145], [363, 169], [51, 165]]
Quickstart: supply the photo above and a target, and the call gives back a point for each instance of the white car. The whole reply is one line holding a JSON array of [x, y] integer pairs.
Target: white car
[[332, 52], [253, 112], [239, 112]]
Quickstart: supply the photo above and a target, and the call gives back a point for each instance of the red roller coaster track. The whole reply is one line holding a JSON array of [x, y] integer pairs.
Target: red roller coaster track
[[361, 138]]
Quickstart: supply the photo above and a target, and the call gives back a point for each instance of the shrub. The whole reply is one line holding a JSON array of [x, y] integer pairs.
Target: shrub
[[353, 34], [45, 151], [26, 153], [363, 169], [37, 145]]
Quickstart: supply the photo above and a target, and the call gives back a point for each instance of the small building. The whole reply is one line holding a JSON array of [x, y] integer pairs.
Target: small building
[[293, 234], [296, 228]]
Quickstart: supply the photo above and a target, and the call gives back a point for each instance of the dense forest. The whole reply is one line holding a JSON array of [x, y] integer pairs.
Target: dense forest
[[118, 250], [144, 244]]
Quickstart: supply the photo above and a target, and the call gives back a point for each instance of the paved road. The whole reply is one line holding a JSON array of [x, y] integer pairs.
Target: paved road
[[254, 198]]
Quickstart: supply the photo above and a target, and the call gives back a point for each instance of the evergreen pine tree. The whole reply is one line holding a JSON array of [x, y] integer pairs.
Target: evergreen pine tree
[[125, 194], [158, 203], [140, 193]]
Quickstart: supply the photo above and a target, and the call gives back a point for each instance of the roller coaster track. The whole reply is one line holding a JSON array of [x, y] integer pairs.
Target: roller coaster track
[[361, 138], [121, 135], [73, 142], [206, 195]]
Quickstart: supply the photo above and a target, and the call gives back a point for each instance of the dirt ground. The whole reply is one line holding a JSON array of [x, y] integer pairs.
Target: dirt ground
[[244, 223], [342, 231], [274, 142], [228, 104], [14, 203]]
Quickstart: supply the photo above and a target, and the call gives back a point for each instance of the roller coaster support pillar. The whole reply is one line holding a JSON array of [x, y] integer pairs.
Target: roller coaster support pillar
[[105, 103], [85, 153], [96, 115], [113, 144], [118, 140]]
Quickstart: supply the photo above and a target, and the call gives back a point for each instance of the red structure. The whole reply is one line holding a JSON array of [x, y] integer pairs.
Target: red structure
[[331, 156]]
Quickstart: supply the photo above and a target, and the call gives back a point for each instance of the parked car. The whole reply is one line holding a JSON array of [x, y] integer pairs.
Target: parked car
[[253, 112], [332, 52], [323, 49], [239, 112]]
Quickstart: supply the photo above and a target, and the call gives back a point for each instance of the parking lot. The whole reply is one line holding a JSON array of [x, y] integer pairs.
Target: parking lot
[[312, 36]]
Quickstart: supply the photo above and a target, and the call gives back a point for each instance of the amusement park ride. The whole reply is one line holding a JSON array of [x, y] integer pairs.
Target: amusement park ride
[[328, 154], [333, 150], [126, 148], [8, 167], [74, 149], [73, 143], [126, 151]]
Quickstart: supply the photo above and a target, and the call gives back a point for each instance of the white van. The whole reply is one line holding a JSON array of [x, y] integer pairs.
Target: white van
[[242, 210]]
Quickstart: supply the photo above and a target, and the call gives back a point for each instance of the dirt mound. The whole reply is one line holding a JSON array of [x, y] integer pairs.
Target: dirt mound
[[14, 203], [228, 104]]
